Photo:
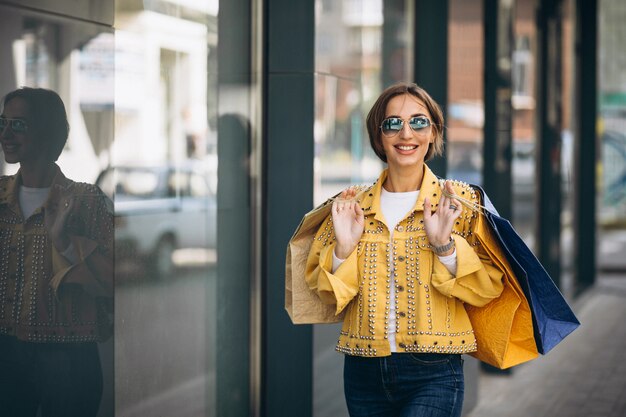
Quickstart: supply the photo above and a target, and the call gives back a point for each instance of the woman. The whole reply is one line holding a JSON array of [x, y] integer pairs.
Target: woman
[[56, 267], [401, 258]]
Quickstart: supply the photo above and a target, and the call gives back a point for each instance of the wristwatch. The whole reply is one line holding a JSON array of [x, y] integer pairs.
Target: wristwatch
[[443, 248]]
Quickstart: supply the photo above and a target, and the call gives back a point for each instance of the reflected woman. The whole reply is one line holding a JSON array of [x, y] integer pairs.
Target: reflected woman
[[56, 267], [401, 259]]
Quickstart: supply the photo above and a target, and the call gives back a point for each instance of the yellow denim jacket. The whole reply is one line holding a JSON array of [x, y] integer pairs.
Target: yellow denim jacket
[[430, 316], [37, 302]]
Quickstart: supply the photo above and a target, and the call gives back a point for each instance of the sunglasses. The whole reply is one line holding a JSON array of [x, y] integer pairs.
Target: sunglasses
[[17, 125], [393, 125]]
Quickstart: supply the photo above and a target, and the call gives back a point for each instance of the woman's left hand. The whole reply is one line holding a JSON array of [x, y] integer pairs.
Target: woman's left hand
[[438, 225], [57, 212]]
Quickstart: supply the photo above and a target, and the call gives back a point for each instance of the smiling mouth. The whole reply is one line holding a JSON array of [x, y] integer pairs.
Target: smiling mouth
[[406, 147]]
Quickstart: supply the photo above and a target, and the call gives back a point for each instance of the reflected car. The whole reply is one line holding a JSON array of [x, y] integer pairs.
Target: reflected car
[[159, 210]]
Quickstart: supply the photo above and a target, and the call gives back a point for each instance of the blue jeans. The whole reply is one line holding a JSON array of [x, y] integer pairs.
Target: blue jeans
[[404, 385]]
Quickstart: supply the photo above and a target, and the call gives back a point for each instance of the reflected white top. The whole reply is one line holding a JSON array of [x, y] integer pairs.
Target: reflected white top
[[33, 198]]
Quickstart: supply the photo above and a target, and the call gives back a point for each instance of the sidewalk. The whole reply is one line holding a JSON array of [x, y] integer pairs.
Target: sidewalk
[[585, 376]]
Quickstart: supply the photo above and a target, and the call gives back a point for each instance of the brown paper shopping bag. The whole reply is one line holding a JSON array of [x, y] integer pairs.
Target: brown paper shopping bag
[[303, 304]]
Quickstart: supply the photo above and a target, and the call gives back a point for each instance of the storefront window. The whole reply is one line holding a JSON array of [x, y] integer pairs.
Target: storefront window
[[525, 145], [567, 150], [612, 135], [163, 177], [465, 118], [75, 59], [362, 47]]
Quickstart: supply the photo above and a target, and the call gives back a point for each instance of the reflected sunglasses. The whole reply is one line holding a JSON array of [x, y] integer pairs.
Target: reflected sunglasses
[[393, 125], [17, 125]]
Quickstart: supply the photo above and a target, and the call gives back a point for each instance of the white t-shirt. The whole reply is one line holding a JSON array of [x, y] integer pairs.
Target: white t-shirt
[[395, 206], [33, 198]]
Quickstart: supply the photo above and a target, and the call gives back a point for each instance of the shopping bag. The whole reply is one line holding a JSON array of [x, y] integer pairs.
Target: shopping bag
[[303, 304], [504, 327], [553, 318]]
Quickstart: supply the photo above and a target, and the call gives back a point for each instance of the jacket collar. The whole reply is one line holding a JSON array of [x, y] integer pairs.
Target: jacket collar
[[9, 193], [430, 187]]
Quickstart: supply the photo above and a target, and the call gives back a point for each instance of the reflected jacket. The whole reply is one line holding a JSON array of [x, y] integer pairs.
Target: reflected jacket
[[43, 297], [430, 313]]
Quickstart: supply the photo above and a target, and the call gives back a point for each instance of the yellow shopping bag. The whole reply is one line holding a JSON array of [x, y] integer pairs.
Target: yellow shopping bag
[[504, 327]]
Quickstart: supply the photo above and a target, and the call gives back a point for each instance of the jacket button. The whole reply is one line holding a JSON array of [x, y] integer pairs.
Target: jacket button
[[402, 345], [400, 288], [400, 228], [401, 258], [401, 314]]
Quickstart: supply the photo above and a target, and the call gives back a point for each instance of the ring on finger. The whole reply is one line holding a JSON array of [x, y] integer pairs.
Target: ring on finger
[[453, 207]]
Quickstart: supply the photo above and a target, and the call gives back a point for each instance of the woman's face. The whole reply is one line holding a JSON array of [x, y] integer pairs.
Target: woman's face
[[19, 146], [407, 147]]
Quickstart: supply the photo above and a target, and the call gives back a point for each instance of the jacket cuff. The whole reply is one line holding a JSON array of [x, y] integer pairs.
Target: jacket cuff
[[343, 285], [61, 266], [467, 263]]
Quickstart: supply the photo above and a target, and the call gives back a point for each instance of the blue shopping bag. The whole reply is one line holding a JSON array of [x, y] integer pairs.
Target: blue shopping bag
[[553, 318]]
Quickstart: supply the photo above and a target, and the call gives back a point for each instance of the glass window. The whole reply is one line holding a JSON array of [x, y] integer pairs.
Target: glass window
[[523, 73], [523, 172], [567, 149], [165, 167], [465, 118], [612, 134], [136, 184], [75, 59], [362, 46], [198, 186]]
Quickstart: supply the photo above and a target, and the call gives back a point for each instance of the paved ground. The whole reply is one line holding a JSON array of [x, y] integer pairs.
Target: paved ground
[[584, 376]]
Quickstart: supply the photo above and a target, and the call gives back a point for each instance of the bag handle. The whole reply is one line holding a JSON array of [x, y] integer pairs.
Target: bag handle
[[464, 201], [358, 188]]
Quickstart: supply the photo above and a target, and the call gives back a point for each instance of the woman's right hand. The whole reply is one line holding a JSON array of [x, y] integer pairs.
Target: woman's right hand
[[348, 223]]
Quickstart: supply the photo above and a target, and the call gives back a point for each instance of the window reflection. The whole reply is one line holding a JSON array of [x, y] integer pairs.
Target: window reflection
[[523, 171], [612, 137], [465, 118], [362, 46], [163, 177], [75, 59]]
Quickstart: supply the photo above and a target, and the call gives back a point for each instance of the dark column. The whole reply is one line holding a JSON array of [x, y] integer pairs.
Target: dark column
[[498, 20], [431, 59], [235, 239], [549, 126], [498, 93], [288, 195], [585, 143], [393, 45]]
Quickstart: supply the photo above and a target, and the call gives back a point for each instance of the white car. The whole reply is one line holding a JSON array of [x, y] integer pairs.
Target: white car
[[159, 210]]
